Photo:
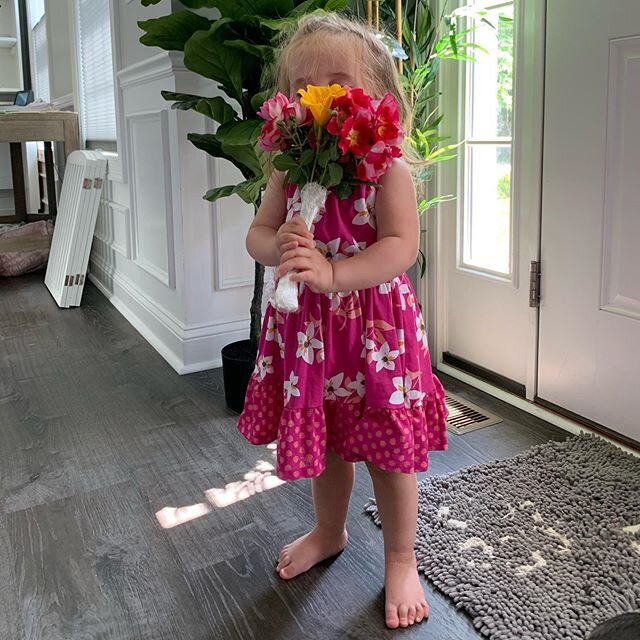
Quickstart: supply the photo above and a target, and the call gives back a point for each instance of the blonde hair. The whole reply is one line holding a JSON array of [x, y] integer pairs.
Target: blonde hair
[[378, 66]]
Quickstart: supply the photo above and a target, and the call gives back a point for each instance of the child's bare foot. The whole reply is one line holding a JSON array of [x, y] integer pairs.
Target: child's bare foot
[[307, 551], [405, 603]]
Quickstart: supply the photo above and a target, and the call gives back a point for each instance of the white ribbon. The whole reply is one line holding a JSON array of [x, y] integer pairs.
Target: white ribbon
[[313, 198]]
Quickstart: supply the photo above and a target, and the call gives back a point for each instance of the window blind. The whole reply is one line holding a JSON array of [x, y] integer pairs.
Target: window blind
[[97, 92], [40, 60]]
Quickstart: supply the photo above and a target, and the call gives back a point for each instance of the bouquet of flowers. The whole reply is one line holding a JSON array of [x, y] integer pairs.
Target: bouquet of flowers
[[333, 137]]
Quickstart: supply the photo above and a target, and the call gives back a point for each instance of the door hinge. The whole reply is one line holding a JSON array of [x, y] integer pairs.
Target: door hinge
[[534, 284]]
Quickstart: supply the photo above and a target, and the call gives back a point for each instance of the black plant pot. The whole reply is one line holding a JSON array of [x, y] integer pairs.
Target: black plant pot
[[238, 361]]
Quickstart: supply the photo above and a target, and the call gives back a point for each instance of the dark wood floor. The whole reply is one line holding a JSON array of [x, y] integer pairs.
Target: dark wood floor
[[98, 434]]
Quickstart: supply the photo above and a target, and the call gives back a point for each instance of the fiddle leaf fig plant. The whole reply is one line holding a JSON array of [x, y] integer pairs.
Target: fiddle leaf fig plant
[[235, 50]]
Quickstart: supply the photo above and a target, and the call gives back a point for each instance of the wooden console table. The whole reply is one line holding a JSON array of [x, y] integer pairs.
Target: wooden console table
[[17, 127]]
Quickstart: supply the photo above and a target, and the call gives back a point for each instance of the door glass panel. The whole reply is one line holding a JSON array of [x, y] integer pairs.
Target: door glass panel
[[488, 228], [491, 76]]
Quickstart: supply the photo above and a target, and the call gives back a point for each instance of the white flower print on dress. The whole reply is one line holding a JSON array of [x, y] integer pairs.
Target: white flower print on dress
[[404, 290], [358, 384], [307, 343], [355, 247], [271, 330], [421, 332], [330, 250], [332, 388], [265, 366], [400, 334], [385, 287], [280, 343], [364, 210], [384, 358], [290, 388], [404, 394]]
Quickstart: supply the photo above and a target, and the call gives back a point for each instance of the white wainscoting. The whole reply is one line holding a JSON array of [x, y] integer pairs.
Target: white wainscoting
[[151, 202], [172, 263]]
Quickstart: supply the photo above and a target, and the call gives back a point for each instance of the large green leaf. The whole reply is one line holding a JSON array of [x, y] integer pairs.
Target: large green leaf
[[245, 155], [263, 52], [249, 190], [173, 31], [240, 133], [216, 108], [207, 54]]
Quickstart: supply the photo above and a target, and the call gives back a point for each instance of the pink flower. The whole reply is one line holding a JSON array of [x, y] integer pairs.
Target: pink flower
[[270, 137], [376, 162], [274, 108]]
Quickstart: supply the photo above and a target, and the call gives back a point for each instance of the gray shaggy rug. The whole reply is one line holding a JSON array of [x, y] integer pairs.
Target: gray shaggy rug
[[543, 546]]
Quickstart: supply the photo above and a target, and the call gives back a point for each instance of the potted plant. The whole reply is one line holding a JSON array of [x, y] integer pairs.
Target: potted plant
[[235, 50]]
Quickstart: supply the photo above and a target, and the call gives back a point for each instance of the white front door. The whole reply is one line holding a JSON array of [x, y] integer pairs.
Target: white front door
[[589, 348], [490, 234]]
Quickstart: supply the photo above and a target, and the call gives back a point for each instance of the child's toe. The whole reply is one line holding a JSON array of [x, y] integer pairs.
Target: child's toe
[[411, 615], [403, 615], [391, 615]]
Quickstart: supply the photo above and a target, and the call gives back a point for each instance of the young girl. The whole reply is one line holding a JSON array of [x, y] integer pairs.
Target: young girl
[[348, 377]]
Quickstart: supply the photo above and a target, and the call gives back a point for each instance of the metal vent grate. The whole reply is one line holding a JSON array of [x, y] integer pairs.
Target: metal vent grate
[[465, 416]]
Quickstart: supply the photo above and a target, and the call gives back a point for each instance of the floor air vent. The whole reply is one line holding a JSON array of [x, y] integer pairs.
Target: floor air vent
[[464, 416]]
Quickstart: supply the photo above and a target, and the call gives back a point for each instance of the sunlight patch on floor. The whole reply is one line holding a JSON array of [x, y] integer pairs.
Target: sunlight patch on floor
[[261, 478]]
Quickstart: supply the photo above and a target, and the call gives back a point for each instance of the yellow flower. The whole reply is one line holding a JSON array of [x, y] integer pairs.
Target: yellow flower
[[319, 99]]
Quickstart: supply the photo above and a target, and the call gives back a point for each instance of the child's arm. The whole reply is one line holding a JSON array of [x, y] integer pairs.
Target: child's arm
[[395, 250], [268, 237]]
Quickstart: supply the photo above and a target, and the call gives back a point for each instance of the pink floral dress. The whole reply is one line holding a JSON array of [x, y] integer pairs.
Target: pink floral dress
[[349, 372]]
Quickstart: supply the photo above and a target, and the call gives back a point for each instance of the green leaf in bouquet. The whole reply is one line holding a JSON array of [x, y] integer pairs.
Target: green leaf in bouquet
[[284, 162], [172, 32], [296, 175], [307, 157], [324, 158], [344, 190], [335, 172]]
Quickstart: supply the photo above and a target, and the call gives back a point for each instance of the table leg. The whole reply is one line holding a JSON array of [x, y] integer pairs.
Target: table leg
[[51, 182], [17, 175]]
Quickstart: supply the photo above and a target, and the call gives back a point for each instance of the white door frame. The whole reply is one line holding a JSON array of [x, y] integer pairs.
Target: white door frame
[[527, 174]]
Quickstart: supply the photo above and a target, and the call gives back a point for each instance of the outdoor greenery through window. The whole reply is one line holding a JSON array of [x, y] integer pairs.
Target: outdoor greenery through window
[[487, 219]]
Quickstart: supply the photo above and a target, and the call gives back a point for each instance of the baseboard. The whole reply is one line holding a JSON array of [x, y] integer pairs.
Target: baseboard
[[187, 349], [528, 406]]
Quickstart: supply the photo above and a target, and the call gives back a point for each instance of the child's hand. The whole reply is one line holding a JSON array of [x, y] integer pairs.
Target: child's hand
[[294, 234], [310, 266]]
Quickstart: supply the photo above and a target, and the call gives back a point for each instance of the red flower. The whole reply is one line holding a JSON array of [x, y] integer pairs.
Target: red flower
[[387, 127], [355, 136], [356, 100]]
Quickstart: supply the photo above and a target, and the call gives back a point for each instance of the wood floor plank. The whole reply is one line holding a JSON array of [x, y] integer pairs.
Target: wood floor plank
[[97, 566], [98, 435], [10, 622]]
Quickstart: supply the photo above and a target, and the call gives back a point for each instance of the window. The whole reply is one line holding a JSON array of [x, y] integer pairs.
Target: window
[[38, 24], [95, 71], [487, 215]]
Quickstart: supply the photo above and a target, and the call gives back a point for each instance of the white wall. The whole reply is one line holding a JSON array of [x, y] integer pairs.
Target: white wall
[[9, 61], [59, 48], [172, 263]]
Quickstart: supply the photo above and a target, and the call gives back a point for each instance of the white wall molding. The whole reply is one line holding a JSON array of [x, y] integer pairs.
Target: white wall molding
[[160, 66], [186, 348], [151, 194]]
